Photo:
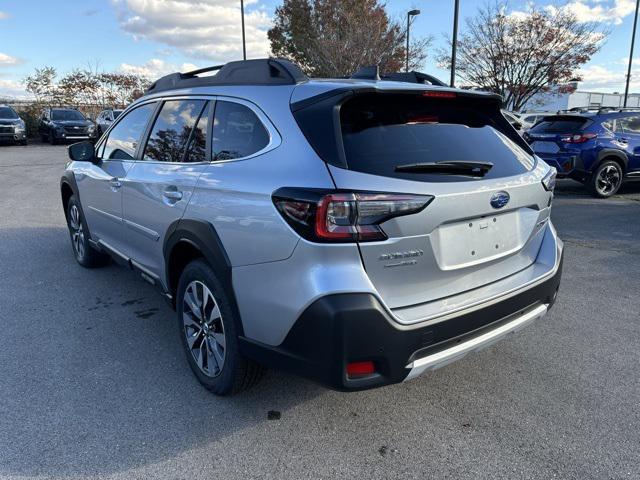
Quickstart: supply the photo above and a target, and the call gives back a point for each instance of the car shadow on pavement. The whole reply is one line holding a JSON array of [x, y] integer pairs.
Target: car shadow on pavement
[[94, 379]]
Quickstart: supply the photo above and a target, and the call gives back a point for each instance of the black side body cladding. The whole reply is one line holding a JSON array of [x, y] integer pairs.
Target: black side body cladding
[[204, 238], [343, 328]]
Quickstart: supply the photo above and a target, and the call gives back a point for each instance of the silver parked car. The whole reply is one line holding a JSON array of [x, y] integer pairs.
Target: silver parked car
[[105, 118], [357, 232]]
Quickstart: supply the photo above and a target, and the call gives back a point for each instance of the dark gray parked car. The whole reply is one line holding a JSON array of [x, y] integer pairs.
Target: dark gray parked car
[[64, 124], [12, 127], [105, 119]]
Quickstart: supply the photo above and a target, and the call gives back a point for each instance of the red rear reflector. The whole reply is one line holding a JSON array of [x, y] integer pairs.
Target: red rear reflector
[[357, 369], [439, 94]]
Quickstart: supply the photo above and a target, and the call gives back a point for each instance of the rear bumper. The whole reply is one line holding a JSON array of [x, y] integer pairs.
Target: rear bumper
[[352, 327]]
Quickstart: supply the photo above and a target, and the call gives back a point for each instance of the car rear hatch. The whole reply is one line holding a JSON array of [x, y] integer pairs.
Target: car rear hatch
[[486, 219], [557, 139]]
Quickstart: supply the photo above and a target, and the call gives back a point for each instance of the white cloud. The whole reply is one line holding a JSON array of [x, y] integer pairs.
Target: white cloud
[[12, 89], [4, 15], [208, 29], [609, 11], [156, 68], [601, 79], [8, 60]]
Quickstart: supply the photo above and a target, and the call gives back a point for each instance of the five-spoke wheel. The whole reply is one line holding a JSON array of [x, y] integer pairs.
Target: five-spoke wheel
[[204, 328]]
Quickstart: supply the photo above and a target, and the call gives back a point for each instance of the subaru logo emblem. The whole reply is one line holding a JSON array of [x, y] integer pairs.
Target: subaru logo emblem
[[499, 199]]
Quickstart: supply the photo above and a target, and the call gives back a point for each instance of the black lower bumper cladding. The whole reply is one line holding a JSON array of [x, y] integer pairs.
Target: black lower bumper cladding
[[339, 329]]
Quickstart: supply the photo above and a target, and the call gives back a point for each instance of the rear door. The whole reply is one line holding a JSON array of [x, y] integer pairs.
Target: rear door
[[465, 238], [628, 134], [158, 187]]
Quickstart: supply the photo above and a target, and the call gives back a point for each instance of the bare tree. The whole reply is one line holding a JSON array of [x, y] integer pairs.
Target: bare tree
[[520, 55], [334, 38]]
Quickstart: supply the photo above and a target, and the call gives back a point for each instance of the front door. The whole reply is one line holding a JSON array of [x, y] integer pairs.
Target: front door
[[159, 186], [100, 184]]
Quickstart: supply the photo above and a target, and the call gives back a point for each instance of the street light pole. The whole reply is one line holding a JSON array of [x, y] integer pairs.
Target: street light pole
[[633, 39], [244, 46], [410, 13], [454, 45]]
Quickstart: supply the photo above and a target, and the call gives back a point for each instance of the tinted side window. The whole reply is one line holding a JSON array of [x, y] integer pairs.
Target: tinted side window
[[125, 136], [610, 125], [172, 130], [237, 132], [630, 124]]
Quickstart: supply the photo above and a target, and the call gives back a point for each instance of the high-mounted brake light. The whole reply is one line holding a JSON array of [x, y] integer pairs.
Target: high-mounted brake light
[[344, 216], [431, 93], [579, 138]]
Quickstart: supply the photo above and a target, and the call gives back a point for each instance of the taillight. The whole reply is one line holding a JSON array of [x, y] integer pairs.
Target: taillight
[[578, 138], [321, 216]]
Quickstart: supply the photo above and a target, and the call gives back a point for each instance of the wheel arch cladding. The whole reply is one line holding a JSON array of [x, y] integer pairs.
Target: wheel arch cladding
[[187, 240], [613, 155], [68, 188]]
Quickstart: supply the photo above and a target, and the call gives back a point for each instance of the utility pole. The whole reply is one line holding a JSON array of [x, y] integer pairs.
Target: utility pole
[[633, 39], [411, 13], [244, 46], [454, 45]]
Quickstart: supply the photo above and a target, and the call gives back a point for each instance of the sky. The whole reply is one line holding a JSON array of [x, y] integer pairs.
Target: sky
[[155, 37]]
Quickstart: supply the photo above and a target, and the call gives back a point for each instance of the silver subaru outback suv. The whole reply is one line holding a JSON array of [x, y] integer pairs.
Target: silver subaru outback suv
[[357, 232]]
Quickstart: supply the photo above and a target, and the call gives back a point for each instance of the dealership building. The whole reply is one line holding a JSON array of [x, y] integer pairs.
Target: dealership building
[[573, 98]]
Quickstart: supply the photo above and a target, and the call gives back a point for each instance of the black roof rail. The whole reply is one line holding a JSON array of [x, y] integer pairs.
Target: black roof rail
[[371, 72], [414, 77], [263, 71]]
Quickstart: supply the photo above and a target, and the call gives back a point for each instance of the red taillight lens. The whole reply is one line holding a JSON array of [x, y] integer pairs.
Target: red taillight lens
[[344, 217], [578, 138], [360, 369]]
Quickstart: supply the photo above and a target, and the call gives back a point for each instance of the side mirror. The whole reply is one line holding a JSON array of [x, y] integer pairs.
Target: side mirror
[[82, 152]]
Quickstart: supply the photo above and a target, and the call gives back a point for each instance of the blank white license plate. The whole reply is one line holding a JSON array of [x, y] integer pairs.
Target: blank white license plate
[[478, 240]]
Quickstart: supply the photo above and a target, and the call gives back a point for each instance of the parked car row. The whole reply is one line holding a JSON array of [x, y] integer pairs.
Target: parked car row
[[55, 125]]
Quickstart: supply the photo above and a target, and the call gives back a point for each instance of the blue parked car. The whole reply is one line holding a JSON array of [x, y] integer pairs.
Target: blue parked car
[[599, 149]]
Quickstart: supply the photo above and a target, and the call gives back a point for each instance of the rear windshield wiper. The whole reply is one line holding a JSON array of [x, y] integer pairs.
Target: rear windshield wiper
[[454, 167]]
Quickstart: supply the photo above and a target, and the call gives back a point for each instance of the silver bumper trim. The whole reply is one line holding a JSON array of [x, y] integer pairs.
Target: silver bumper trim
[[442, 358]]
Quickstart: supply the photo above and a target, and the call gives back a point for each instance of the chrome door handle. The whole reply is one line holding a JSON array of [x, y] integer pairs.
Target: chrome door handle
[[115, 184], [172, 194]]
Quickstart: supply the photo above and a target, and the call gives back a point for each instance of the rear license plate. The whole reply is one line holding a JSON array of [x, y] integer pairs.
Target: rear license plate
[[477, 240], [545, 147]]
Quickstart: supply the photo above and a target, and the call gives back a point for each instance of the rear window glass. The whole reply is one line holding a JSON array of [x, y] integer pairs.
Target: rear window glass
[[382, 132], [560, 125]]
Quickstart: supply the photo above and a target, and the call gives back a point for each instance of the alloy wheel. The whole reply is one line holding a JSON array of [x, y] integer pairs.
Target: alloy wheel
[[608, 180], [203, 328], [77, 231]]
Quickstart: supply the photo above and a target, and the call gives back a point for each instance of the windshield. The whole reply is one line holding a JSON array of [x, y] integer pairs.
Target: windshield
[[66, 115], [560, 125], [382, 132], [8, 113]]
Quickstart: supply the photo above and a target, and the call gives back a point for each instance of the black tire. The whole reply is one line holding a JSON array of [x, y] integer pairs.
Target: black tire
[[85, 254], [43, 138], [606, 179], [52, 139], [24, 143], [236, 373]]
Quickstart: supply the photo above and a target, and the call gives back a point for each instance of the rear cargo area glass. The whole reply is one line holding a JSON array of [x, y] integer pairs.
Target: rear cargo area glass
[[560, 125], [381, 132]]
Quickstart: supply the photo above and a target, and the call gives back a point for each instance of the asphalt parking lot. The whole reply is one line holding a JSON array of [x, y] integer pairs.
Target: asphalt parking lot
[[93, 382]]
